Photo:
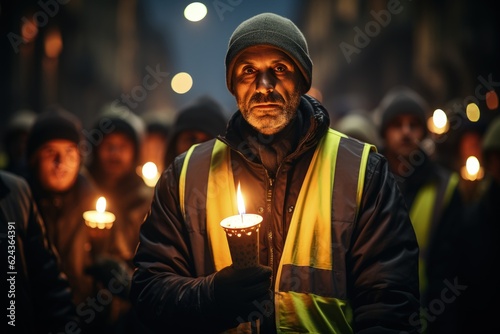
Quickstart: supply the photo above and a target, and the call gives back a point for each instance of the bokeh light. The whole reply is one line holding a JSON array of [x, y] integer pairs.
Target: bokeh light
[[492, 100], [182, 83], [472, 171], [195, 11], [473, 112], [438, 123], [150, 174]]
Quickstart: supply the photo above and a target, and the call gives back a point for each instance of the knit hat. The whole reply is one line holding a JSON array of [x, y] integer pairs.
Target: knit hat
[[54, 123], [274, 30], [358, 124], [402, 100], [120, 119], [204, 114]]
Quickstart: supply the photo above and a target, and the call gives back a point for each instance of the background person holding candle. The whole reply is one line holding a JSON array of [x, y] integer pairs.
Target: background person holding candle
[[343, 254], [62, 192], [113, 167]]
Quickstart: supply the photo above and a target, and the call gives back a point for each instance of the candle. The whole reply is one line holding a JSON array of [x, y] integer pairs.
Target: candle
[[150, 174], [242, 232], [99, 218]]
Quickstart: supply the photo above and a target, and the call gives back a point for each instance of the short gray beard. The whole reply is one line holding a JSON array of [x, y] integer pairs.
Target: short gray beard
[[271, 125]]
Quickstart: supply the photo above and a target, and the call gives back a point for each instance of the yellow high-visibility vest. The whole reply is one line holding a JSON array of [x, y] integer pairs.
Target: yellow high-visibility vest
[[429, 202], [306, 298]]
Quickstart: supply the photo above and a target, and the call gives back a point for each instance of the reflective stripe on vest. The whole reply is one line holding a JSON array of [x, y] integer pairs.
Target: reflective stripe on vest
[[429, 202], [306, 297]]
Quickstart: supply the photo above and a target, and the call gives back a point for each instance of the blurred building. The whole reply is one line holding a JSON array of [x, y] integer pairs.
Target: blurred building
[[83, 53]]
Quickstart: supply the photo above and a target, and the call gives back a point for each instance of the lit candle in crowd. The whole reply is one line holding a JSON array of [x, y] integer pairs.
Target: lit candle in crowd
[[472, 170], [99, 218], [150, 174]]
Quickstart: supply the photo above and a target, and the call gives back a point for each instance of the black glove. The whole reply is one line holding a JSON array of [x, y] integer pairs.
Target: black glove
[[113, 274], [238, 290]]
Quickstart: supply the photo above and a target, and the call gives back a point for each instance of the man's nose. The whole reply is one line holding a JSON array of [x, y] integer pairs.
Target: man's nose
[[265, 82]]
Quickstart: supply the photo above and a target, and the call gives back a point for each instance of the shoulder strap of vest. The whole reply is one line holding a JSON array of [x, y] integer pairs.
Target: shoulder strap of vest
[[353, 157]]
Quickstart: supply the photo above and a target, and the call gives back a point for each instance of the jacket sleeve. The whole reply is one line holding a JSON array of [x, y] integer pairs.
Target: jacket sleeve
[[383, 258], [54, 304], [47, 289], [165, 290]]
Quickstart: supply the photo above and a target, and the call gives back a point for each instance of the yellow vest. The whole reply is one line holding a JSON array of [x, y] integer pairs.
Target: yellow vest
[[305, 300], [422, 213]]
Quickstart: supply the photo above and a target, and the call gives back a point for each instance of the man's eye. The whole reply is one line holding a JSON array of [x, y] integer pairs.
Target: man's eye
[[248, 70], [280, 68]]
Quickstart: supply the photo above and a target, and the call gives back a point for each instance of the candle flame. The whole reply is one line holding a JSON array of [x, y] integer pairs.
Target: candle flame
[[472, 165], [241, 202], [149, 170], [101, 205]]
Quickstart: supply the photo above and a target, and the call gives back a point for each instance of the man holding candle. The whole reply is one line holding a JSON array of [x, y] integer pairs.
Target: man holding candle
[[62, 192], [336, 246]]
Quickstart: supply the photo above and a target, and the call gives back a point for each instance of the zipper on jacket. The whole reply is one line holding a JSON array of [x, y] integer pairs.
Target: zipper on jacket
[[269, 199]]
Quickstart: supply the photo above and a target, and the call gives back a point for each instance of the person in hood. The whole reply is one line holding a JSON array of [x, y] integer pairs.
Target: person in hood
[[113, 167], [114, 163], [336, 249], [14, 141], [433, 198], [199, 121], [358, 124], [63, 192]]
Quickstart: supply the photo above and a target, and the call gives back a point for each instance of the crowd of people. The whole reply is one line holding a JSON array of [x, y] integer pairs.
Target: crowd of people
[[364, 229]]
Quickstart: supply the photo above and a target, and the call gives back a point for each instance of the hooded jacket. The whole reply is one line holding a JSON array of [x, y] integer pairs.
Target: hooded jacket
[[204, 114], [176, 292], [130, 198]]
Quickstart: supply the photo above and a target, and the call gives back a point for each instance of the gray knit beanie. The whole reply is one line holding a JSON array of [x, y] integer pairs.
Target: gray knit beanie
[[274, 30], [402, 100], [53, 123]]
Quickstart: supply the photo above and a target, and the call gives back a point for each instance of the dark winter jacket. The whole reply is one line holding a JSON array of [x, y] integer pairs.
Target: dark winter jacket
[[63, 217], [172, 286], [440, 250], [479, 292], [39, 290]]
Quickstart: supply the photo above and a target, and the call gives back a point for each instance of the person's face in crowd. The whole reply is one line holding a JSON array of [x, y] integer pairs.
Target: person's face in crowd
[[403, 135], [267, 87], [186, 139], [58, 164], [116, 155]]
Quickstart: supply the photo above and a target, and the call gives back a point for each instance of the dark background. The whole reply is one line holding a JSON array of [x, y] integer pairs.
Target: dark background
[[447, 50]]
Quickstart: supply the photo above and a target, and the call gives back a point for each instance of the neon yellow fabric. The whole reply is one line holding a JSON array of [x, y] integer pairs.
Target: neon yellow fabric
[[333, 314], [313, 203], [221, 203], [421, 214], [308, 243], [182, 181]]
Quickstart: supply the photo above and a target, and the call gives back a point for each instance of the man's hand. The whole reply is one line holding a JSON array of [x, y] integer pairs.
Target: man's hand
[[238, 289]]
